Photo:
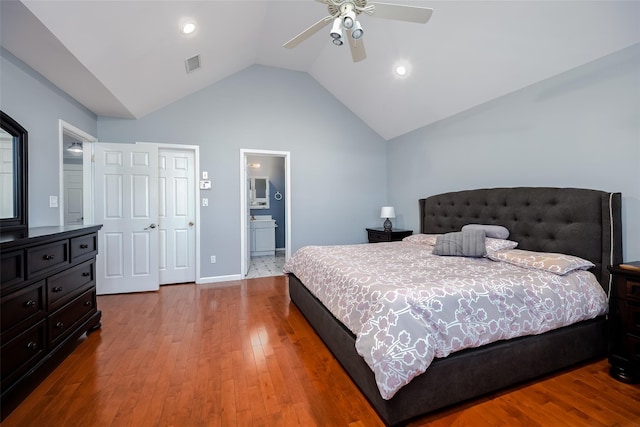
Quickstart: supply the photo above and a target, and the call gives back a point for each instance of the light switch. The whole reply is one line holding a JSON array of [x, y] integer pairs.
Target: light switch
[[205, 201], [205, 175]]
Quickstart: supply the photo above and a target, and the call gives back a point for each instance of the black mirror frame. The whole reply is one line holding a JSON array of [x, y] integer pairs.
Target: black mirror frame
[[21, 197]]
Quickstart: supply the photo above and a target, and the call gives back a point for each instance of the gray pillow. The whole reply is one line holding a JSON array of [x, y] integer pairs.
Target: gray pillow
[[494, 231], [469, 243]]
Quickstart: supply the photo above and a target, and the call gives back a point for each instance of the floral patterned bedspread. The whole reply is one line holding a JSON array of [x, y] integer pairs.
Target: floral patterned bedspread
[[407, 306]]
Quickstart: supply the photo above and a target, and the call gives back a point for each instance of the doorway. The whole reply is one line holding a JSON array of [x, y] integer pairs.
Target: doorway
[[258, 219], [75, 207]]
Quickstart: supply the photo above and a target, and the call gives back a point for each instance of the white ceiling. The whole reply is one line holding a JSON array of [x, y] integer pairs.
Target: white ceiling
[[126, 58]]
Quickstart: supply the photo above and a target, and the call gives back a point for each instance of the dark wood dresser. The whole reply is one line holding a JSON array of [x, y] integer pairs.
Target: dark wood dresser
[[48, 300], [376, 235], [624, 321]]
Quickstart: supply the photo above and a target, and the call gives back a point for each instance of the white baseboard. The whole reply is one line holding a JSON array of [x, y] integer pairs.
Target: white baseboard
[[216, 279]]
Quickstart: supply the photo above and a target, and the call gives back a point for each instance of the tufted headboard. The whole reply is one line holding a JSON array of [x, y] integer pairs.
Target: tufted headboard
[[574, 221]]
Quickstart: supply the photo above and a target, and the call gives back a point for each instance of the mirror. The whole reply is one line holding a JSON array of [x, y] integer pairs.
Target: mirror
[[259, 188], [13, 175]]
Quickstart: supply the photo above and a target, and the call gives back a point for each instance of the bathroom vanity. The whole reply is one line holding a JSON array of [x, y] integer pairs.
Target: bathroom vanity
[[263, 235]]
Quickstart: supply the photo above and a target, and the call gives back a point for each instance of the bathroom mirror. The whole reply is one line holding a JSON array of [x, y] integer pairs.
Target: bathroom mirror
[[259, 192], [13, 175]]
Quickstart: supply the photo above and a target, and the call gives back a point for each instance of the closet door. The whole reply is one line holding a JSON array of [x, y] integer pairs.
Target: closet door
[[126, 204], [176, 212]]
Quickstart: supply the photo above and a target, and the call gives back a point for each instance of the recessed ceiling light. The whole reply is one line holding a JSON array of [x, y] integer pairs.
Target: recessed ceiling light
[[188, 27], [401, 70]]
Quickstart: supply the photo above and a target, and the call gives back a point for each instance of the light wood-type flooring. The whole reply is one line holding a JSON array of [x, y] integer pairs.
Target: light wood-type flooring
[[241, 354]]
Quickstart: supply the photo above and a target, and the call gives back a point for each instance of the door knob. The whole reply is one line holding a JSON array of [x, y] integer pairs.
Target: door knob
[[152, 226], [191, 224]]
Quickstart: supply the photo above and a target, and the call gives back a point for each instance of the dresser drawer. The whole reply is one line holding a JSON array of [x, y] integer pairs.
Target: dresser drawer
[[631, 290], [65, 321], [84, 246], [379, 237], [65, 286], [21, 353], [12, 269], [22, 305], [630, 313], [631, 347], [45, 258]]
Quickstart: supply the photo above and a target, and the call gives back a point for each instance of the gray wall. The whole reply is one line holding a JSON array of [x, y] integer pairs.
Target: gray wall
[[577, 129], [338, 164], [38, 106]]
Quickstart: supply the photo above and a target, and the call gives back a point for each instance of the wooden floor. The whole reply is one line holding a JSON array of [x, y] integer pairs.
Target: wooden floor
[[241, 354]]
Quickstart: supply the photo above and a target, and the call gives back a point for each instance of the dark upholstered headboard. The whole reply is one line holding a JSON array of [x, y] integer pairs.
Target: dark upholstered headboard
[[580, 222]]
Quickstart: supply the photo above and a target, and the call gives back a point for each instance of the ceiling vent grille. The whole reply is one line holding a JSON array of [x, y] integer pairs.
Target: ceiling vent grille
[[192, 63]]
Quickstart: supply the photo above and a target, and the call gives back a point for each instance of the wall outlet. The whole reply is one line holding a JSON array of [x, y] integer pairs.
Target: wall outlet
[[53, 201], [213, 259], [205, 201]]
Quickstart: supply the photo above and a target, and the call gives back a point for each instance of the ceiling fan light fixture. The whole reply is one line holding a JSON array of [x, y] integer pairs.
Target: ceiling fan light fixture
[[357, 32], [336, 29], [349, 19]]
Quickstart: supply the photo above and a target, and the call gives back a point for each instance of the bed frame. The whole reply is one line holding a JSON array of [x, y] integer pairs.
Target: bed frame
[[585, 223]]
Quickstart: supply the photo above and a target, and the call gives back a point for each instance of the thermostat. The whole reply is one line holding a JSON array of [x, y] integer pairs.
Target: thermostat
[[205, 185]]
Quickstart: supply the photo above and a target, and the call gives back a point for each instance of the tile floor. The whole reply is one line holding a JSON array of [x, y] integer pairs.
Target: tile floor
[[262, 266]]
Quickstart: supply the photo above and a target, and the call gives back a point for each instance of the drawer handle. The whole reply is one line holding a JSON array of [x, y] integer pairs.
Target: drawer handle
[[32, 345], [59, 325], [48, 257], [84, 246], [30, 303], [57, 289], [86, 274], [87, 303]]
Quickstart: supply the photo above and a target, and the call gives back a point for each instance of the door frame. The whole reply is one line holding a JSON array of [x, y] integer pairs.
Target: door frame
[[87, 175], [244, 207], [196, 205]]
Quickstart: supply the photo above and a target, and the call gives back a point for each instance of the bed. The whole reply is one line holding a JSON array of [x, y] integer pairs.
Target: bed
[[580, 222]]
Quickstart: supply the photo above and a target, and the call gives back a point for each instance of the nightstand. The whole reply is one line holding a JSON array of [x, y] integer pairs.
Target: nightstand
[[624, 322], [378, 234]]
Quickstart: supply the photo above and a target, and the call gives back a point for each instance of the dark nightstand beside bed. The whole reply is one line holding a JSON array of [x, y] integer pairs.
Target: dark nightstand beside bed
[[624, 322], [378, 234]]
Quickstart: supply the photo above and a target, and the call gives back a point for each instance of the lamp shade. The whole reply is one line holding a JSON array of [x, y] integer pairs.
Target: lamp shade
[[387, 212]]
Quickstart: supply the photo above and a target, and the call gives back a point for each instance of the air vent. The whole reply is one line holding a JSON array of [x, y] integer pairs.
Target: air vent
[[192, 63]]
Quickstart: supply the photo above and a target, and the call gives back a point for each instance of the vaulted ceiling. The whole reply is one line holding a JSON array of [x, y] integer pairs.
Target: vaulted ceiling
[[127, 58]]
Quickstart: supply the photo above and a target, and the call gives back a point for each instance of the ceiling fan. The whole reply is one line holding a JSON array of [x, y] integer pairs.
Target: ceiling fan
[[343, 14]]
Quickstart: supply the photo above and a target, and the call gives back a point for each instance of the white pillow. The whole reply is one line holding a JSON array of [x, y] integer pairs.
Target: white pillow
[[546, 261], [494, 245]]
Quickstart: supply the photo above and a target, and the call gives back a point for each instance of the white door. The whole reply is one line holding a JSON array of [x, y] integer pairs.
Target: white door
[[126, 188], [73, 195], [176, 213]]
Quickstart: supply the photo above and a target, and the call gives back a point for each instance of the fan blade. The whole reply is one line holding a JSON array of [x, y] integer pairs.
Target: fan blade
[[307, 33], [417, 14], [357, 48]]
